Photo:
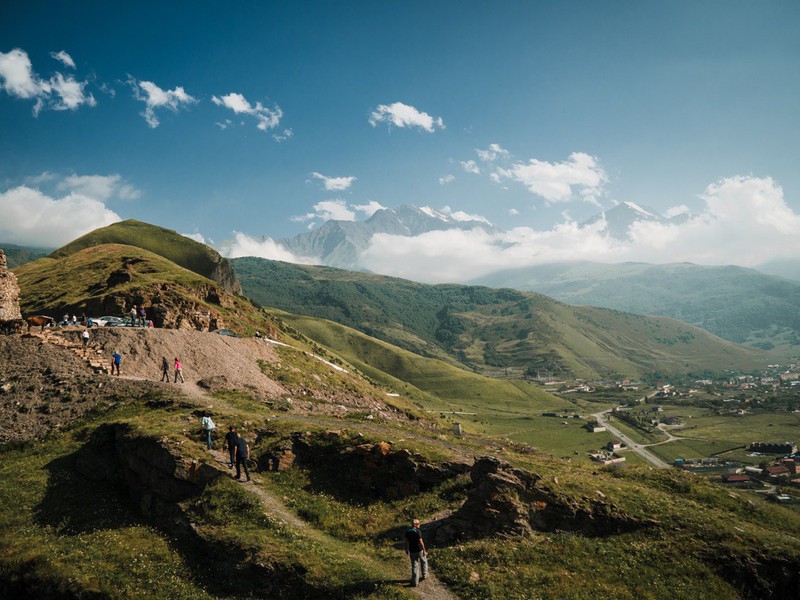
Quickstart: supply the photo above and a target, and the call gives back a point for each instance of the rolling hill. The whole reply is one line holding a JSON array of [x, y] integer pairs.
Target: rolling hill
[[737, 304], [19, 255], [169, 244], [494, 331], [107, 279]]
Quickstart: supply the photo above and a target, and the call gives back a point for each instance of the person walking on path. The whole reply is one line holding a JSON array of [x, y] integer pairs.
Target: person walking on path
[[85, 340], [208, 427], [164, 369], [116, 362], [178, 370], [230, 439], [242, 453], [415, 548]]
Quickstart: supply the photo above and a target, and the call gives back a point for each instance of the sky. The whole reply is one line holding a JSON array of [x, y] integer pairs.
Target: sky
[[231, 121]]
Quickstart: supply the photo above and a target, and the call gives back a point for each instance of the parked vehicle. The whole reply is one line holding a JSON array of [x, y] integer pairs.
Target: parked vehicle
[[112, 321], [227, 332], [98, 321]]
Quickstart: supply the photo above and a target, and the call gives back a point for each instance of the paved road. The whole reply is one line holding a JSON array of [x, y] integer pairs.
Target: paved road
[[633, 446]]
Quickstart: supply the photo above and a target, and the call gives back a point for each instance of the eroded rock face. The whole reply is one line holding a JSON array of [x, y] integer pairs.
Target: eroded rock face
[[508, 501], [9, 293], [156, 476]]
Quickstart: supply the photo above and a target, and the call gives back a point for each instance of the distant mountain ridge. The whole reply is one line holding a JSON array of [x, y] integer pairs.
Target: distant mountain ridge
[[340, 243], [738, 304], [491, 330], [19, 255], [620, 218]]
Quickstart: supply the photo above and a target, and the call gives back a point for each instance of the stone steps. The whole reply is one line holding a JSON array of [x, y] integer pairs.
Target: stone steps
[[98, 364]]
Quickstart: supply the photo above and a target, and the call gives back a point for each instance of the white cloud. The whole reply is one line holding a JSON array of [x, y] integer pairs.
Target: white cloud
[[31, 217], [60, 92], [447, 179], [677, 210], [156, 98], [303, 218], [100, 187], [336, 184], [403, 115], [329, 210], [197, 237], [470, 166], [557, 182], [265, 247], [746, 221], [63, 58], [370, 208], [513, 212], [223, 124], [494, 152], [461, 216], [282, 137], [266, 118]]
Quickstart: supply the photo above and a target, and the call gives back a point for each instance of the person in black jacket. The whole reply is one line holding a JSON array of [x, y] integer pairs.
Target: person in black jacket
[[242, 453], [230, 438]]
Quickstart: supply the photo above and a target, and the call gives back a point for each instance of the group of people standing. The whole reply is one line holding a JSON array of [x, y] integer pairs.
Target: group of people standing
[[238, 448], [138, 316]]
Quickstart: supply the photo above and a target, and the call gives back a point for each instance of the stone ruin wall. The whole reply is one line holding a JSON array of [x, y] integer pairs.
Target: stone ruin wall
[[9, 292]]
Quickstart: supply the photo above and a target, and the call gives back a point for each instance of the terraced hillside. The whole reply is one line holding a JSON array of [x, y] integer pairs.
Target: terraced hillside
[[493, 331]]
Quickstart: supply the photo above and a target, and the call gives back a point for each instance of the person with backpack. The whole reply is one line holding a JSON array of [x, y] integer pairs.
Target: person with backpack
[[230, 439], [208, 427], [242, 453], [415, 548], [164, 369]]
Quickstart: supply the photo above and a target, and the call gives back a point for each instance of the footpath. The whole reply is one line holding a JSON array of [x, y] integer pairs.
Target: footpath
[[92, 355]]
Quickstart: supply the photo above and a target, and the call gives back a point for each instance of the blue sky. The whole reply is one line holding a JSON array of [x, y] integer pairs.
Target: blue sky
[[666, 99]]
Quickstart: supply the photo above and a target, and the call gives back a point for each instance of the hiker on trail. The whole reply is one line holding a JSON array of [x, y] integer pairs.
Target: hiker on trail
[[164, 369], [230, 438], [116, 362], [258, 334], [178, 370], [85, 339], [142, 316], [242, 453], [415, 548], [74, 320], [133, 315], [208, 427]]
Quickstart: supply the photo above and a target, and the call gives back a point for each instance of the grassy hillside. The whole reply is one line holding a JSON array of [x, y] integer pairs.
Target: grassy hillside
[[69, 526], [737, 304], [108, 279], [496, 331], [169, 244], [19, 255]]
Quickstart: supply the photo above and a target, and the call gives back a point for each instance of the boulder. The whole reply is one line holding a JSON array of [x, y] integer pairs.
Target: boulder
[[508, 501]]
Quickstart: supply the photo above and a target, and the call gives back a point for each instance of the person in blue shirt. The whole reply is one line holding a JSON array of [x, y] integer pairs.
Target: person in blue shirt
[[415, 548], [116, 362]]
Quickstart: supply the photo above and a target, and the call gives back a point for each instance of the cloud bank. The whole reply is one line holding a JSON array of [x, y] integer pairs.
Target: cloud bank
[[335, 184], [265, 247], [402, 115], [745, 221]]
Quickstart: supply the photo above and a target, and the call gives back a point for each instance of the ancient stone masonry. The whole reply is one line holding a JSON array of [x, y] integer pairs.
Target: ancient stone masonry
[[9, 295]]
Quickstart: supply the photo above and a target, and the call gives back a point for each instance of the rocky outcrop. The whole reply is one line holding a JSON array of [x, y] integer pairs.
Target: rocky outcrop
[[224, 275], [508, 501], [155, 474], [9, 293], [375, 470]]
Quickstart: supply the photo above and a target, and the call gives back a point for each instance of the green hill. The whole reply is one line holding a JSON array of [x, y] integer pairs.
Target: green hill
[[737, 304], [107, 279], [495, 331], [19, 255], [167, 243]]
